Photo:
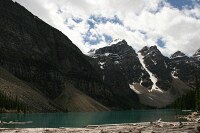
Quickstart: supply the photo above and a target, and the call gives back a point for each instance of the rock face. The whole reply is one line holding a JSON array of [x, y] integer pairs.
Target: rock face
[[44, 58], [184, 67], [197, 55], [121, 59], [157, 66], [178, 54], [156, 79], [119, 66], [11, 86]]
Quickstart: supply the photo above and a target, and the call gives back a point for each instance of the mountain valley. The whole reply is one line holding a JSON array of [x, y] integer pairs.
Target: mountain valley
[[48, 73]]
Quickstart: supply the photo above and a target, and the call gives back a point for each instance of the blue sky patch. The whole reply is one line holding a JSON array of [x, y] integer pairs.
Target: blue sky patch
[[108, 38], [71, 27], [91, 23], [94, 19], [77, 20], [180, 4], [160, 6], [143, 33], [95, 38], [161, 43]]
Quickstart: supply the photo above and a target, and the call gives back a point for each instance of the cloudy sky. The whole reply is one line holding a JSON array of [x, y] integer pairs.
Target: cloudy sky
[[170, 24]]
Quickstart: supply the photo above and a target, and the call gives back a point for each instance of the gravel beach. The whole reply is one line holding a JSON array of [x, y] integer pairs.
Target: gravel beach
[[145, 127]]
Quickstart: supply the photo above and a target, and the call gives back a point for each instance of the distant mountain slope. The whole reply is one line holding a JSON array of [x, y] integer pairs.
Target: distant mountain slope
[[14, 87], [74, 100], [157, 80], [117, 64], [43, 57]]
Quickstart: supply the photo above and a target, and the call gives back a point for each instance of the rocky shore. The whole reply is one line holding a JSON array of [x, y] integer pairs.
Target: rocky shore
[[194, 117], [192, 126], [146, 127]]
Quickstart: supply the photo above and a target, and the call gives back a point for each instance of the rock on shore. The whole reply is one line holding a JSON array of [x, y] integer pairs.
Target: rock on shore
[[155, 127], [193, 117]]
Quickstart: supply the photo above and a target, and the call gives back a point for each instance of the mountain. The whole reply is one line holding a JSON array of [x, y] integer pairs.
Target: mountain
[[42, 60], [117, 64], [12, 86], [197, 55], [43, 71], [178, 54], [184, 67], [152, 76], [157, 67]]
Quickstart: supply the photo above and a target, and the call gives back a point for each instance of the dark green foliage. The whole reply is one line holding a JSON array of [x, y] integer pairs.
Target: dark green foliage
[[197, 91], [187, 102], [11, 103], [190, 100]]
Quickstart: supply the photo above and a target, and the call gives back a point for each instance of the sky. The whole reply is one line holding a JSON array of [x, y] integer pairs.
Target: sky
[[171, 25]]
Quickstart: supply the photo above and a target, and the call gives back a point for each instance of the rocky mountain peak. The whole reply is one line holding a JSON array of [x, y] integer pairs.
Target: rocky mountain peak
[[116, 41], [144, 49], [150, 51], [157, 67], [177, 55], [197, 53], [118, 48], [196, 56], [91, 52], [153, 48]]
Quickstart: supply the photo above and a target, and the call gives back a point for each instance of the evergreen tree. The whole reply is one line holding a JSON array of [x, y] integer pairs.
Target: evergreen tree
[[197, 94], [11, 103]]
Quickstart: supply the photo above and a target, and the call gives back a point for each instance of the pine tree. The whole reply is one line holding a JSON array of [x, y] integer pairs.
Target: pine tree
[[197, 93], [11, 103]]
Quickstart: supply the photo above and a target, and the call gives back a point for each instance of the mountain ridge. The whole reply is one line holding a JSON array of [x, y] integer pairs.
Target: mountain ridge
[[43, 57], [156, 74], [45, 62]]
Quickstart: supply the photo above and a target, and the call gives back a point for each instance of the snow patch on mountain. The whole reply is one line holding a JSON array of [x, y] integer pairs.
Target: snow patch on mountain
[[152, 77], [166, 65], [154, 62], [103, 77], [91, 52], [133, 88], [101, 64], [107, 54], [197, 53], [116, 62], [173, 74], [178, 54], [115, 41], [177, 57]]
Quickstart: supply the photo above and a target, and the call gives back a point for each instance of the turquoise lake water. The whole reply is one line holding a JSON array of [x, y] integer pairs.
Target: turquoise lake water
[[55, 120]]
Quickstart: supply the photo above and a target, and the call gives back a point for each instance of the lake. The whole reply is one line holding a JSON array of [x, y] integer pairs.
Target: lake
[[55, 120]]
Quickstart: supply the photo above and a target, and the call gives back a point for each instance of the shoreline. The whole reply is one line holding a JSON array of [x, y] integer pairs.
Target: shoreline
[[146, 127], [191, 126]]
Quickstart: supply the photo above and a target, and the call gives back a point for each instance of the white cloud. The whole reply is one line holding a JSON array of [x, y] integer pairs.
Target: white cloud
[[144, 21]]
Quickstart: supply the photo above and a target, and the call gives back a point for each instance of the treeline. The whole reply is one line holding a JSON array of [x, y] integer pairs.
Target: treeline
[[191, 100], [11, 104], [197, 91], [186, 102]]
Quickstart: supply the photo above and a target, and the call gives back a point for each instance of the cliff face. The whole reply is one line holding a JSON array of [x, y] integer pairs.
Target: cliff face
[[157, 80], [158, 65], [119, 66], [42, 56], [184, 67]]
